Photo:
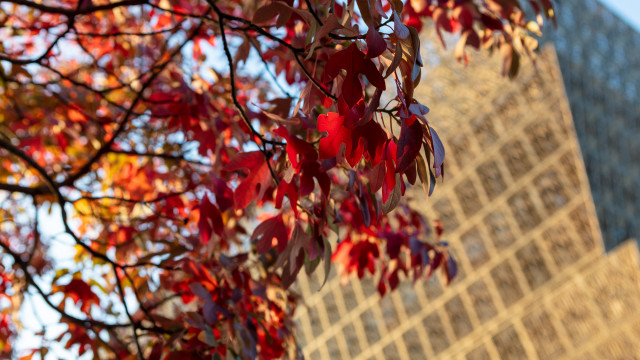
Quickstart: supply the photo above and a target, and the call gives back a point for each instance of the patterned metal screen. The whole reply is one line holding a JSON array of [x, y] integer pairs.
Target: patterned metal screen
[[519, 207]]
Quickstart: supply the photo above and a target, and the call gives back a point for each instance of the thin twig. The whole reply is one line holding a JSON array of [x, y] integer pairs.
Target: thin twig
[[234, 97], [134, 324]]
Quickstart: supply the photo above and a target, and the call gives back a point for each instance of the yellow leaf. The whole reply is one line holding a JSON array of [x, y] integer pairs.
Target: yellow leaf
[[83, 206]]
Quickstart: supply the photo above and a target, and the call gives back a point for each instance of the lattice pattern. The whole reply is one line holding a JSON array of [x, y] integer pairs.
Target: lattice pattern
[[602, 79], [520, 217]]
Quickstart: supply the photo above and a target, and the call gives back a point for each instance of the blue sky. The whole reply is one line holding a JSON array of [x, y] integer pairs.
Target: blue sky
[[629, 10]]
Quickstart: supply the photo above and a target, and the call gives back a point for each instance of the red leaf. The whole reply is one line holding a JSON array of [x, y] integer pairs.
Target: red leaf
[[375, 138], [210, 220], [267, 231], [395, 242], [382, 287], [206, 140], [409, 143], [224, 195], [356, 257], [156, 352], [298, 150], [411, 172], [390, 179], [299, 241], [376, 177], [79, 291], [330, 24], [310, 171], [354, 62], [257, 181], [440, 20], [392, 197], [490, 22], [375, 43], [265, 13], [369, 137], [437, 224], [463, 15], [291, 190], [337, 134], [468, 37]]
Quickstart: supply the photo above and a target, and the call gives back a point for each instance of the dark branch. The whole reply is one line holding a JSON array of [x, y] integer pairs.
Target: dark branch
[[134, 324], [75, 12]]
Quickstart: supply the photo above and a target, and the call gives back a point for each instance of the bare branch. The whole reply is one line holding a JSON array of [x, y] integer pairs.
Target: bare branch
[[75, 12]]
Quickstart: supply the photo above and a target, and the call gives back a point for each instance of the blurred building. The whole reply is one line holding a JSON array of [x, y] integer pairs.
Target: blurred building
[[542, 189]]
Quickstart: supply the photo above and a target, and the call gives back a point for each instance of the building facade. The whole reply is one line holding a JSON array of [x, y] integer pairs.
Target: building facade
[[541, 191], [596, 54]]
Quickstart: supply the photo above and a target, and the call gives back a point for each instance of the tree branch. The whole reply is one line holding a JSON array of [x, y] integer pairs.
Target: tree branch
[[293, 49], [38, 190], [134, 324], [155, 71], [44, 53], [31, 281], [75, 12], [234, 96]]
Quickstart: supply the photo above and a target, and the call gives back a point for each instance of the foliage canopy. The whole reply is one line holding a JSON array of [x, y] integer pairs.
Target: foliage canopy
[[200, 154]]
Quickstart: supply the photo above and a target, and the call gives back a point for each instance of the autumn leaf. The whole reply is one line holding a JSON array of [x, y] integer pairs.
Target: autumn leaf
[[400, 29], [268, 230], [298, 150], [76, 116], [210, 220], [291, 190], [375, 43], [366, 139], [266, 13], [392, 198], [356, 257], [163, 129], [78, 291], [409, 143], [438, 152], [223, 194], [256, 183], [337, 134], [355, 63]]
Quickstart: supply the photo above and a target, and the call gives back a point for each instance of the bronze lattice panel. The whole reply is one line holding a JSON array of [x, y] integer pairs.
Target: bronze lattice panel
[[519, 207]]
